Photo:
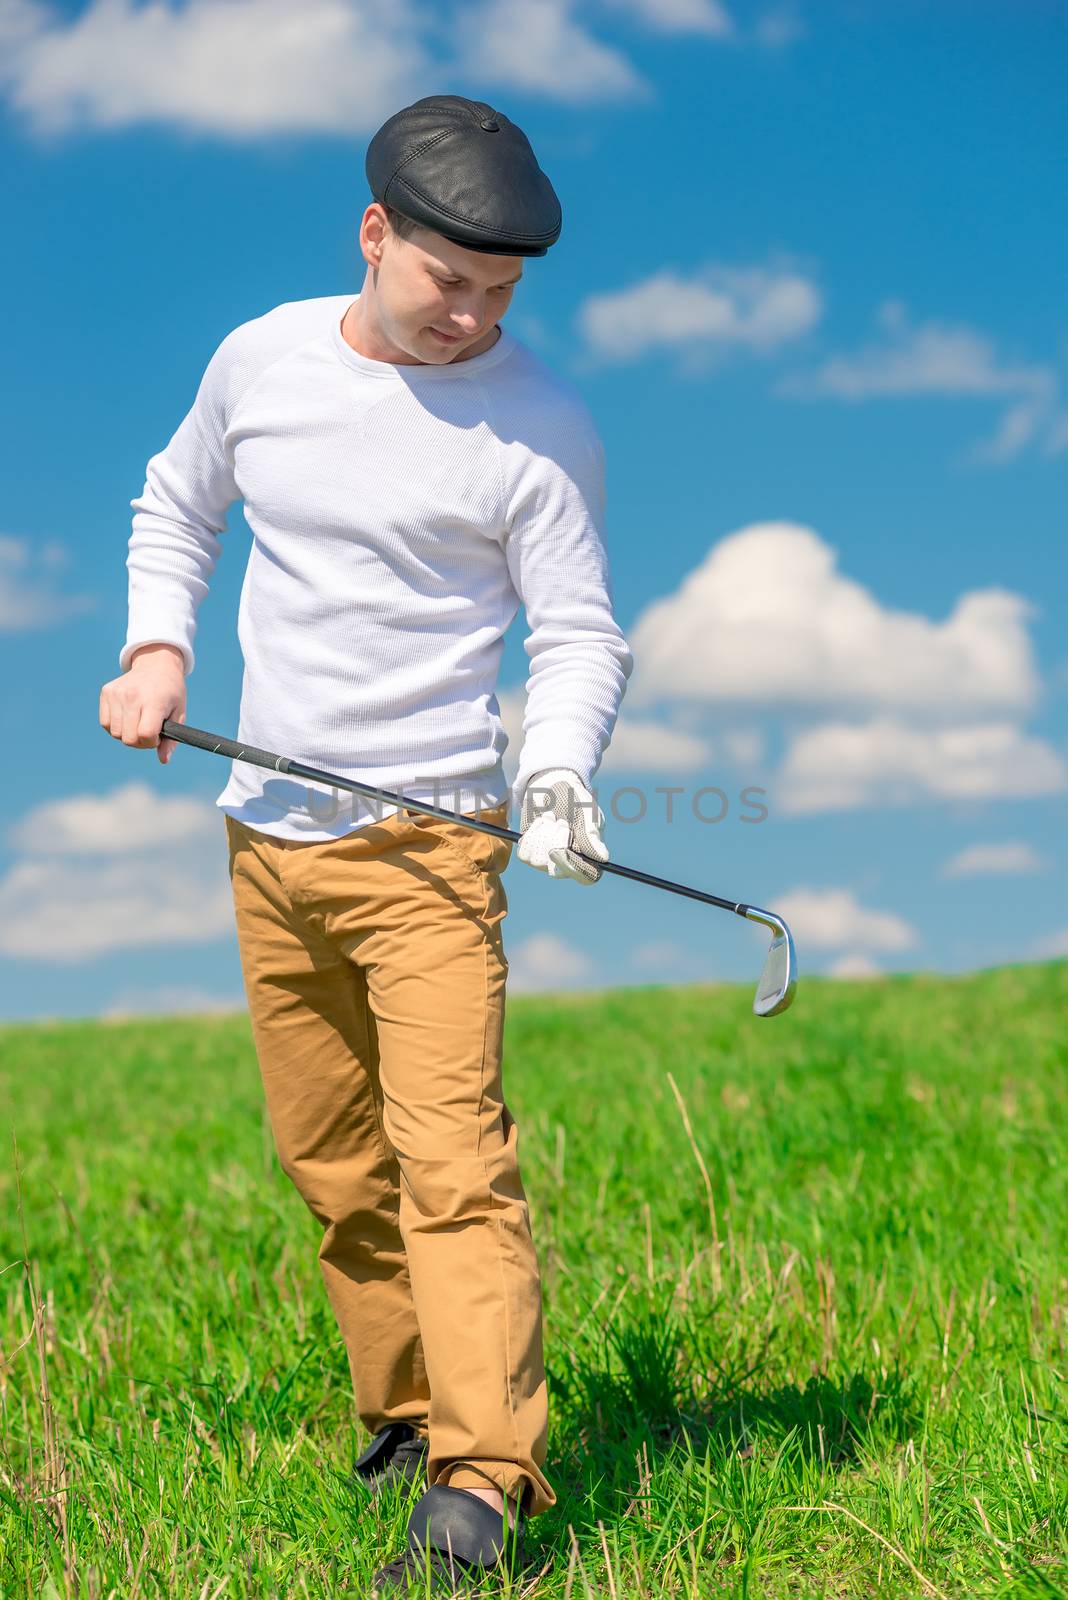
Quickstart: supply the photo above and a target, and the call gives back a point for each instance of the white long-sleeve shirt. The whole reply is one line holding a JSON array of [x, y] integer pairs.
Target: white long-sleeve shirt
[[399, 514]]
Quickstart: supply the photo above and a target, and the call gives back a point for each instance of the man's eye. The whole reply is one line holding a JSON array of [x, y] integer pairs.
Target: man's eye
[[450, 283]]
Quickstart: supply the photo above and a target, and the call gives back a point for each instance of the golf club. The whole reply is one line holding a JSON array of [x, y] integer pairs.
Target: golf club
[[778, 980]]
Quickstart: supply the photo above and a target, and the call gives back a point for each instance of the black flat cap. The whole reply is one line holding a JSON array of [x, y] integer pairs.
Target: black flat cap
[[461, 168]]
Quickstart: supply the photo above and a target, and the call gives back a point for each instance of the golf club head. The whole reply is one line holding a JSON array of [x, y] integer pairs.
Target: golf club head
[[778, 981]]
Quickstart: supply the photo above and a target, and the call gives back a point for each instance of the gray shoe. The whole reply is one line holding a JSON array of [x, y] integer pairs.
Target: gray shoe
[[456, 1544], [396, 1454]]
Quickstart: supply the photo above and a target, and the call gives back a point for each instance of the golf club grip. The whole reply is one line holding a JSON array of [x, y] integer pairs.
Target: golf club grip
[[223, 747]]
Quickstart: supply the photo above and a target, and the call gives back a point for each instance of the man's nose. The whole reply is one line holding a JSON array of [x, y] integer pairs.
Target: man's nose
[[471, 314]]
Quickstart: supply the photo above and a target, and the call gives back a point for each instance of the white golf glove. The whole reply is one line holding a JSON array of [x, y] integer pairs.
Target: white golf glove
[[559, 815]]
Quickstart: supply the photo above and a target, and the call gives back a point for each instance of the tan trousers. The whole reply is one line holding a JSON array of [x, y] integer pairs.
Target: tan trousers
[[375, 973]]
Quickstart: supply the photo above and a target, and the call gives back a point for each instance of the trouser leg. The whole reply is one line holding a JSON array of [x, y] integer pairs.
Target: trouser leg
[[420, 908], [317, 1046]]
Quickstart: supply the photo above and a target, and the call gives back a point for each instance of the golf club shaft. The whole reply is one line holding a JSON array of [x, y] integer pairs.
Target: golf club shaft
[[214, 742]]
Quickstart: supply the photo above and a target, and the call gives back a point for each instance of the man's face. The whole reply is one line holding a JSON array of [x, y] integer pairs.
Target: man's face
[[435, 299]]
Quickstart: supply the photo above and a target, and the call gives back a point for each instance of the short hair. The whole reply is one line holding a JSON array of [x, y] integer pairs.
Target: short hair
[[404, 227]]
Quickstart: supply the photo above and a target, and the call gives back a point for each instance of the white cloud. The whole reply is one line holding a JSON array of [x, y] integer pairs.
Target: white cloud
[[934, 358], [247, 69], [641, 745], [239, 68], [171, 1000], [546, 961], [923, 708], [1015, 429], [1008, 859], [767, 619], [26, 602], [842, 766], [159, 877], [638, 744], [540, 47], [719, 308], [744, 747], [65, 912], [20, 20], [134, 817], [829, 919], [707, 17], [854, 966], [1053, 947]]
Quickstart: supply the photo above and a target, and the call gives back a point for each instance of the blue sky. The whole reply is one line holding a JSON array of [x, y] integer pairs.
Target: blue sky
[[810, 282]]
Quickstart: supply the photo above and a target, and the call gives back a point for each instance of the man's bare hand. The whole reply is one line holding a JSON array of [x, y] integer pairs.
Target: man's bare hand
[[134, 706]]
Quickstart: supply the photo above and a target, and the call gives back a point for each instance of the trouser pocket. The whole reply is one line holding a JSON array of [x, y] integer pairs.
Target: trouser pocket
[[485, 852]]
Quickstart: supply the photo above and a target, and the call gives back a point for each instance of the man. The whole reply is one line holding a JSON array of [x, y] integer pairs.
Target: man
[[410, 473]]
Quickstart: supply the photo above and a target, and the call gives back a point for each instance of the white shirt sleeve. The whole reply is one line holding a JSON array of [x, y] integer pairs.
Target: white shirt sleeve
[[178, 518], [579, 659]]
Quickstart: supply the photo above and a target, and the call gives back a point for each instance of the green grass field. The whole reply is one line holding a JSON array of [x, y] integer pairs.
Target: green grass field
[[805, 1302]]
